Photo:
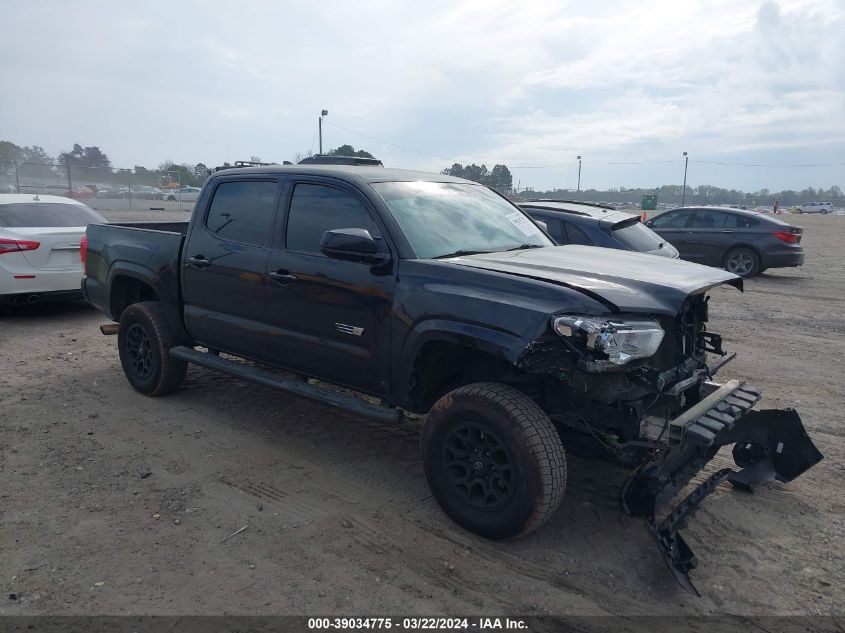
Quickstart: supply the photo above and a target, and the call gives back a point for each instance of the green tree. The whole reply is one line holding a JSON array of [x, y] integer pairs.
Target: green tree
[[456, 170], [501, 178], [9, 155], [348, 150]]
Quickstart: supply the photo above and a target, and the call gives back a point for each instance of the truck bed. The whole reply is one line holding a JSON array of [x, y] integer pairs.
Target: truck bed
[[167, 227], [149, 252]]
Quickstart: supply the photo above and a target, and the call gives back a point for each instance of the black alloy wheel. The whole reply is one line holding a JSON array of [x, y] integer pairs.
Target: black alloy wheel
[[478, 465]]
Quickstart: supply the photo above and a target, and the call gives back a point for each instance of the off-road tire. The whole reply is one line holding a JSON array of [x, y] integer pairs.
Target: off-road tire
[[144, 341], [749, 255], [533, 447]]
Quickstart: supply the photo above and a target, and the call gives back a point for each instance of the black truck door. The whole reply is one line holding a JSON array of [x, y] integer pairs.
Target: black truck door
[[329, 318], [224, 267]]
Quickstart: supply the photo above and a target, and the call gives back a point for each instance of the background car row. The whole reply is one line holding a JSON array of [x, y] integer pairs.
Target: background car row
[[743, 242]]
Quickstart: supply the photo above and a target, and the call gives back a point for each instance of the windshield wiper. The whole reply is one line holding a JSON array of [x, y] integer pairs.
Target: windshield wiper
[[460, 254], [524, 246]]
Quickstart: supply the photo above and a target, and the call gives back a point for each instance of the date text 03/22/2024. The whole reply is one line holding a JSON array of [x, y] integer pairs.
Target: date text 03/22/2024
[[419, 623]]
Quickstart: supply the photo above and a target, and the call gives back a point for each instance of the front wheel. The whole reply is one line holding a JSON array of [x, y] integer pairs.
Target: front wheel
[[493, 460], [144, 340], [743, 262]]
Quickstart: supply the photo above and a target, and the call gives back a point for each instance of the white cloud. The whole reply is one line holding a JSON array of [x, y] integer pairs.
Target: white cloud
[[524, 83]]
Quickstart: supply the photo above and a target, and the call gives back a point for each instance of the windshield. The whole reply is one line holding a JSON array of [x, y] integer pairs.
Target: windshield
[[43, 214], [636, 236], [440, 219]]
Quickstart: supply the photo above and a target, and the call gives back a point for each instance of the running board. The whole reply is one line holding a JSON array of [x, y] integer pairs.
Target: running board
[[296, 386]]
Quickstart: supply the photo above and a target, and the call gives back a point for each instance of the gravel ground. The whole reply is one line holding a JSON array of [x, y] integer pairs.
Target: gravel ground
[[114, 503]]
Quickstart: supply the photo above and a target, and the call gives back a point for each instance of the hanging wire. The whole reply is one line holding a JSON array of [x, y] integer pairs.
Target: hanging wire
[[381, 140], [713, 162]]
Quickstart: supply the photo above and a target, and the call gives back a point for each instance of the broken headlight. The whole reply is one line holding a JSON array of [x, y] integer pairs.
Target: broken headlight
[[617, 340]]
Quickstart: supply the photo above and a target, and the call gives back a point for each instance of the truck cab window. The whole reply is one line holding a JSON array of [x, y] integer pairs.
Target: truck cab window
[[242, 211], [315, 209]]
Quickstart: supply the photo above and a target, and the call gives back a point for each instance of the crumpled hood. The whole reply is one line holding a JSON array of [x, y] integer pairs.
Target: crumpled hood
[[624, 280]]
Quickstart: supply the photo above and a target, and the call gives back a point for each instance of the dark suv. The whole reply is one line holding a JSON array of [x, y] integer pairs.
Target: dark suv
[[593, 224], [742, 242]]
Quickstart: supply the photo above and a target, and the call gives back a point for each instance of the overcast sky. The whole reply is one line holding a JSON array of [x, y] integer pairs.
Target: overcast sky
[[528, 84]]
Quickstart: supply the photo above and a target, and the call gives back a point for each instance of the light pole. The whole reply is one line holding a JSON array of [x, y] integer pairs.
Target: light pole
[[684, 195], [579, 173], [320, 125]]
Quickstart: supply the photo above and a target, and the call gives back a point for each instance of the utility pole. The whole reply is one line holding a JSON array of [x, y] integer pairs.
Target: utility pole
[[579, 173], [320, 125], [684, 195], [69, 183], [17, 178]]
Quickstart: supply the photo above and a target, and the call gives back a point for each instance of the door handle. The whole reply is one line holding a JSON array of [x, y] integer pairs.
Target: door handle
[[726, 231], [198, 261], [282, 277]]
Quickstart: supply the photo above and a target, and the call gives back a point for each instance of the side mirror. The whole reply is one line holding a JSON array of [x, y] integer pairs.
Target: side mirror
[[649, 223], [543, 226], [353, 245]]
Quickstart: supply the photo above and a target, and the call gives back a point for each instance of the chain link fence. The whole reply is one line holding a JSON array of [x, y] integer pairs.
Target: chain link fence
[[104, 188]]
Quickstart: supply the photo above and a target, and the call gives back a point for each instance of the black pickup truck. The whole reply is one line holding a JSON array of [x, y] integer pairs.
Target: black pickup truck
[[432, 294]]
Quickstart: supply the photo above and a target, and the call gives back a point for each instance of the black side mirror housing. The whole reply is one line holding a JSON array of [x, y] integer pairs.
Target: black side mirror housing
[[353, 245]]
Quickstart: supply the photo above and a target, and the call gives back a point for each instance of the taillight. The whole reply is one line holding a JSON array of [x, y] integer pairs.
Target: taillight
[[788, 237], [9, 245], [83, 252]]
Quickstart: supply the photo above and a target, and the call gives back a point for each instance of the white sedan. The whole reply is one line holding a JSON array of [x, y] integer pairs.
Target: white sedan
[[39, 247], [183, 194]]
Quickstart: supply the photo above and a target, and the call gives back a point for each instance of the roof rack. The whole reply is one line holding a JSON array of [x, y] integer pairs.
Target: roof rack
[[244, 163], [334, 159], [600, 205]]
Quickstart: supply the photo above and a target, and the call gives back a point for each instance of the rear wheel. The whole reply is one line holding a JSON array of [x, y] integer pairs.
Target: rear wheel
[[493, 460], [144, 341], [743, 262]]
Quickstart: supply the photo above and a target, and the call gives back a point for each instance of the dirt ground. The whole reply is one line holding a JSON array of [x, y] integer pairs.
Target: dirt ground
[[337, 512]]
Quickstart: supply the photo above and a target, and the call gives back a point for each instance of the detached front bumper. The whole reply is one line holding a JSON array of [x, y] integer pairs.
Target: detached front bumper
[[768, 445]]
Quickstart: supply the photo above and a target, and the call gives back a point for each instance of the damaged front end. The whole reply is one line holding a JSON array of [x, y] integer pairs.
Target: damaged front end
[[768, 445], [643, 389]]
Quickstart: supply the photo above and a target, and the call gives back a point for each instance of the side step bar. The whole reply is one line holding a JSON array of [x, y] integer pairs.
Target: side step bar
[[296, 386]]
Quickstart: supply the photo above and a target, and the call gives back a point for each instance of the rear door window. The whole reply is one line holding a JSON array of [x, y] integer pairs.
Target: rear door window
[[47, 214], [242, 211], [740, 221], [706, 219], [577, 235]]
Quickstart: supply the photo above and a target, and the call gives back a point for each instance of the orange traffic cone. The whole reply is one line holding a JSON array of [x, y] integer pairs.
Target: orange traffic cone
[[644, 218]]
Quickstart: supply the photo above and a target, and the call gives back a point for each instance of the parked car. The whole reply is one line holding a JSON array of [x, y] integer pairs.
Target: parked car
[[109, 191], [816, 207], [436, 294], [81, 193], [141, 192], [183, 194], [742, 242], [39, 247], [595, 224]]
